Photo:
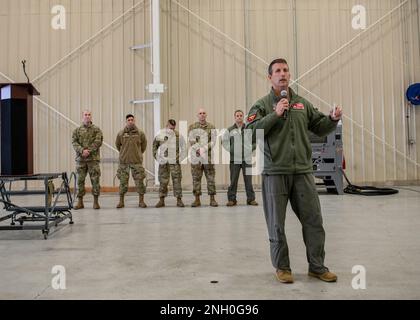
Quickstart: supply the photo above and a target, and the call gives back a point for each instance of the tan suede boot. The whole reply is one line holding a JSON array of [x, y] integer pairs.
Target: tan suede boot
[[326, 276], [252, 203], [96, 202], [231, 203], [141, 201], [284, 276], [161, 203], [79, 204], [179, 203], [197, 202], [121, 203], [213, 202]]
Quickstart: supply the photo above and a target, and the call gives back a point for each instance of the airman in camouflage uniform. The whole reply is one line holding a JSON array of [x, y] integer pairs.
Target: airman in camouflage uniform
[[131, 143], [202, 139], [87, 140], [172, 149]]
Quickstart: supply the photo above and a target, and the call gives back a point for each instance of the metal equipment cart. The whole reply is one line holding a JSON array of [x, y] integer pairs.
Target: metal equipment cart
[[47, 216]]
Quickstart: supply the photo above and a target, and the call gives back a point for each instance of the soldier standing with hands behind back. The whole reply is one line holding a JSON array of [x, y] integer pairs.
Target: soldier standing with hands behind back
[[131, 142], [202, 137], [87, 140], [169, 162]]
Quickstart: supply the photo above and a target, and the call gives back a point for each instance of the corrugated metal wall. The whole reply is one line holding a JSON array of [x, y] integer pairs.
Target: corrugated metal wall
[[369, 77], [204, 65]]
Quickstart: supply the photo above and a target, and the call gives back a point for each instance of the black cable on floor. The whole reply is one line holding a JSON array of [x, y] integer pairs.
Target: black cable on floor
[[367, 190], [409, 189]]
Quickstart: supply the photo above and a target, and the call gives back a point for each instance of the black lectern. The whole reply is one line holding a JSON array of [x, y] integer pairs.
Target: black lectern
[[16, 121]]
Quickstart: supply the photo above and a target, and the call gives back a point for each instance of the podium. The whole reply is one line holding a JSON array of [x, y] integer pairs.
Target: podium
[[16, 122]]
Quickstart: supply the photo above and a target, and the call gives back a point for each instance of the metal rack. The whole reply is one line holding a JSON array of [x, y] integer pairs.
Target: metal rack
[[49, 215]]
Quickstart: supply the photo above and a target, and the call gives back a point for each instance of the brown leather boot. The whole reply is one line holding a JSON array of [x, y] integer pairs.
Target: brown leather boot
[[284, 276], [231, 203], [213, 202], [141, 201], [121, 203], [161, 203], [79, 204], [96, 202], [179, 203], [252, 203], [326, 276], [197, 202]]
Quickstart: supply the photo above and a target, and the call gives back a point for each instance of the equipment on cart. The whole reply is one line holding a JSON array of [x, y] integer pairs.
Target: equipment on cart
[[327, 159]]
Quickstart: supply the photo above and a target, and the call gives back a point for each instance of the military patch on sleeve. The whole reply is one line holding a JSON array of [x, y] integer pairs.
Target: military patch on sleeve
[[251, 118]]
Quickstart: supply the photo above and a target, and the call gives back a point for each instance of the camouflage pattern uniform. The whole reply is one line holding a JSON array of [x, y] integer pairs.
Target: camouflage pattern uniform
[[88, 137], [169, 167], [131, 143], [205, 164]]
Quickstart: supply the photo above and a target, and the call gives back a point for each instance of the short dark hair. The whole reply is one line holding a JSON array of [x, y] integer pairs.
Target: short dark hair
[[172, 122], [129, 116], [238, 111], [270, 67]]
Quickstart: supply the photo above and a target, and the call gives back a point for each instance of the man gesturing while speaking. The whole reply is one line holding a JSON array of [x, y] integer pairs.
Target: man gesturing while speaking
[[286, 118]]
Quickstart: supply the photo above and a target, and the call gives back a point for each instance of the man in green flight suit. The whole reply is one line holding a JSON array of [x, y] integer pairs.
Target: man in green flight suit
[[240, 159], [87, 140], [286, 118]]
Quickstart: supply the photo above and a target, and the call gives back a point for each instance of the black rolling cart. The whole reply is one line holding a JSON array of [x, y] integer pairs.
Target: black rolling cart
[[37, 217]]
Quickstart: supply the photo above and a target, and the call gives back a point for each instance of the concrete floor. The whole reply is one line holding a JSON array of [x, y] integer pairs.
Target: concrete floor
[[175, 253]]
